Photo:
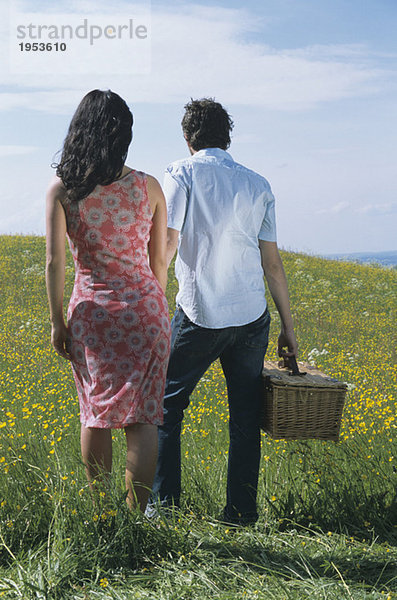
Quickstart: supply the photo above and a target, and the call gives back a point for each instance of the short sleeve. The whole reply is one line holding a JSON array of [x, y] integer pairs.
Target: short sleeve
[[176, 199], [268, 231]]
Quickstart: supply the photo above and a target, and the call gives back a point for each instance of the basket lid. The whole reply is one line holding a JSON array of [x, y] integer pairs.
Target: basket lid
[[313, 377]]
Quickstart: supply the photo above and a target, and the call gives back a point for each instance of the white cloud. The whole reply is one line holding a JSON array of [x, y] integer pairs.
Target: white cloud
[[16, 150], [334, 209], [198, 51], [61, 102], [389, 208], [344, 51], [79, 6]]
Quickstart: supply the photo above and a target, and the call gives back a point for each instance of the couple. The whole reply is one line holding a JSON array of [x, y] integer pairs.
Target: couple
[[118, 336]]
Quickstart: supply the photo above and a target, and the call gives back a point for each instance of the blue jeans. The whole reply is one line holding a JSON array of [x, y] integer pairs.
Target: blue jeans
[[241, 350]]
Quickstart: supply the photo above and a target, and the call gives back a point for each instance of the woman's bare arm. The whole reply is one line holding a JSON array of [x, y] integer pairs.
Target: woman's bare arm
[[55, 264]]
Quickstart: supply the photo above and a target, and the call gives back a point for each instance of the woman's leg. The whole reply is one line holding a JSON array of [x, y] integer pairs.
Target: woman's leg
[[141, 463], [96, 450]]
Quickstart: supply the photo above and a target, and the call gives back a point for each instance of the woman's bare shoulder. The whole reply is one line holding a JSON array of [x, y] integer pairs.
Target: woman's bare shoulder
[[152, 184], [56, 189], [155, 193]]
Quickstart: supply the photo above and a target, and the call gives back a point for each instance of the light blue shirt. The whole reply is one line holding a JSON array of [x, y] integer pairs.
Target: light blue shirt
[[222, 210]]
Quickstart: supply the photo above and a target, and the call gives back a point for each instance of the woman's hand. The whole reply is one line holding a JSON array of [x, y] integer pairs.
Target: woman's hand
[[60, 340]]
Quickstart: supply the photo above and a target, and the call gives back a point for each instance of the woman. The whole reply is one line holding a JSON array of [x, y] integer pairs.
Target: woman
[[118, 333]]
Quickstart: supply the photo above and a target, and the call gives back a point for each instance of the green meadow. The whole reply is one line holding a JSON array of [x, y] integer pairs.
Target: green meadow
[[328, 511]]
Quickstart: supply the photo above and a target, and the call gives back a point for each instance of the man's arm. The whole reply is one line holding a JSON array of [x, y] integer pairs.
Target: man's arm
[[172, 244], [176, 197], [277, 283]]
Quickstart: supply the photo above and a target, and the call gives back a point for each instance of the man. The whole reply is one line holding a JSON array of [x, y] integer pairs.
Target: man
[[221, 219]]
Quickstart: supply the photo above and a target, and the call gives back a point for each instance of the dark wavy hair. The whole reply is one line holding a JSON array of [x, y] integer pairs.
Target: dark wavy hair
[[96, 145], [206, 124]]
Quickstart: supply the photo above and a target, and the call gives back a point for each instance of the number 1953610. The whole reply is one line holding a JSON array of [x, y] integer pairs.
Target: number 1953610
[[42, 47]]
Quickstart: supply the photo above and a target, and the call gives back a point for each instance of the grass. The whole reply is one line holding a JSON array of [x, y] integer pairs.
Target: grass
[[327, 526]]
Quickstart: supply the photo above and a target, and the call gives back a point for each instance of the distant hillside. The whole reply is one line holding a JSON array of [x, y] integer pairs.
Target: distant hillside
[[387, 259]]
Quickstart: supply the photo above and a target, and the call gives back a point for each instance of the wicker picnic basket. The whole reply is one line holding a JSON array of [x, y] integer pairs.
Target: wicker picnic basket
[[301, 405]]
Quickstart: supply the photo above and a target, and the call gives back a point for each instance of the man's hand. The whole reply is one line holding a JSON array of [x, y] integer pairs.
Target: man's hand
[[287, 339]]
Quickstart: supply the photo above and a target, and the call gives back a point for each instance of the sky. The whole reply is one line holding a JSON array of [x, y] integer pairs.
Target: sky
[[310, 84]]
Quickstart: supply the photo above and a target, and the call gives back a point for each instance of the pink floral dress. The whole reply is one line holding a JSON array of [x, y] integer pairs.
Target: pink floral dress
[[118, 314]]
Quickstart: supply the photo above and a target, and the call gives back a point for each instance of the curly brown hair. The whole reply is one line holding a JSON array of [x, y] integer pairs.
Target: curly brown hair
[[96, 145], [206, 124]]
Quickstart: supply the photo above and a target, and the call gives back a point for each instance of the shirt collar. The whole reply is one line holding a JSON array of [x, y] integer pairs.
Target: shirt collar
[[218, 152]]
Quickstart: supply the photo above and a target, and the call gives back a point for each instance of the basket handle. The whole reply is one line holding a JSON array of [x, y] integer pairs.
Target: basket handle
[[290, 363]]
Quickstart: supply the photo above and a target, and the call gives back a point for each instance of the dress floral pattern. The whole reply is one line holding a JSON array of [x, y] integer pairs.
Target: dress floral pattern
[[118, 314]]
